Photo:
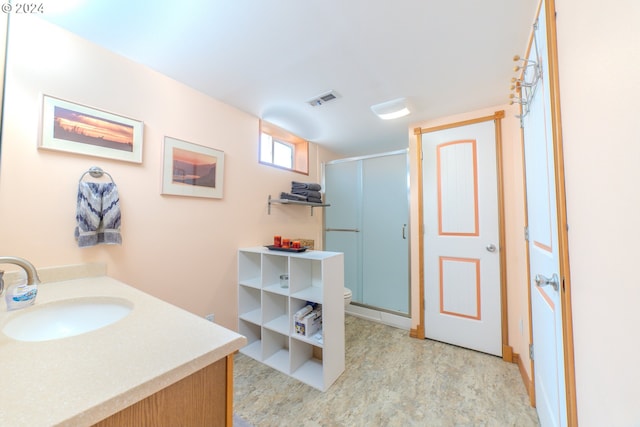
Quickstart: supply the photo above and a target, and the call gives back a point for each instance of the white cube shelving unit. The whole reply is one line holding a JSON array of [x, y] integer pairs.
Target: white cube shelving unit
[[266, 311]]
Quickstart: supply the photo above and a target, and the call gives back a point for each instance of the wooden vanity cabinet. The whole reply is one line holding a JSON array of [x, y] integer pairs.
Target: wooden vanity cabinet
[[204, 398]]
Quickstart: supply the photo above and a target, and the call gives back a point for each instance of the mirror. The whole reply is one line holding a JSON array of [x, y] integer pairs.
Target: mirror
[[4, 30]]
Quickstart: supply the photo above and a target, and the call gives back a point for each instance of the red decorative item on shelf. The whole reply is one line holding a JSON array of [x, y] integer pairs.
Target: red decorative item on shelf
[[286, 243], [277, 241], [295, 244]]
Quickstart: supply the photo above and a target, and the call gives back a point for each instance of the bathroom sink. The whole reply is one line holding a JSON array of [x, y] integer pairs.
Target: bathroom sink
[[66, 318]]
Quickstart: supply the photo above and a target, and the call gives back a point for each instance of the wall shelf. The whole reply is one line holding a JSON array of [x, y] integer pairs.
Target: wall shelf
[[294, 202]]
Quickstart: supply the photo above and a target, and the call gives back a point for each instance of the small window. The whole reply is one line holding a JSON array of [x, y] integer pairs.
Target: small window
[[278, 153], [282, 149]]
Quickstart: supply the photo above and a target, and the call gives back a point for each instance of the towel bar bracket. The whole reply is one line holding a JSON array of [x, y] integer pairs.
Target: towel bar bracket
[[96, 172], [293, 202]]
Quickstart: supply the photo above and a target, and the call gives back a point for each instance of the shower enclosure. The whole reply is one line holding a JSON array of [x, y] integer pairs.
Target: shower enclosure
[[368, 222]]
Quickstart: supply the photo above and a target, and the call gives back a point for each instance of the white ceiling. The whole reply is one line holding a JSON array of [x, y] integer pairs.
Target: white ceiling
[[269, 57]]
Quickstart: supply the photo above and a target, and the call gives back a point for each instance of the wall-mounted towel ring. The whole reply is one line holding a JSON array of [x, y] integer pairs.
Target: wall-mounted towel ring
[[96, 172]]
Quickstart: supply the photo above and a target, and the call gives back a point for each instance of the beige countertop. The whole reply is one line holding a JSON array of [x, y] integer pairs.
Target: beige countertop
[[78, 381]]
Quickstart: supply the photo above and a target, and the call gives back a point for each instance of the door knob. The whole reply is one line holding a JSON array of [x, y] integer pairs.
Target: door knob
[[491, 247], [544, 281]]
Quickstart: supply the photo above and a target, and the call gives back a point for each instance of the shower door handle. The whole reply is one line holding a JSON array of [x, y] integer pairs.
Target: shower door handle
[[404, 230], [353, 230]]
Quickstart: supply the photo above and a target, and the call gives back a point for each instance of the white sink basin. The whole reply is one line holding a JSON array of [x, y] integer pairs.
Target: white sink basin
[[66, 318]]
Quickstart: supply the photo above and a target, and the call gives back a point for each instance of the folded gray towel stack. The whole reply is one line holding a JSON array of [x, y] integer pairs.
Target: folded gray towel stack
[[296, 197], [309, 190], [295, 185]]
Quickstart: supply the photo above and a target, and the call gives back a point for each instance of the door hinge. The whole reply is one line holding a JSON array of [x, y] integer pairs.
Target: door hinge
[[526, 234], [531, 351]]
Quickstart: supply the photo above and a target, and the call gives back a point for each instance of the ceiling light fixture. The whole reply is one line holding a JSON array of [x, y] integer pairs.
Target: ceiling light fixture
[[392, 109]]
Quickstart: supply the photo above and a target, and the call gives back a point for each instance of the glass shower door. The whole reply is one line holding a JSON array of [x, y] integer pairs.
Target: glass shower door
[[368, 221], [343, 183], [385, 239]]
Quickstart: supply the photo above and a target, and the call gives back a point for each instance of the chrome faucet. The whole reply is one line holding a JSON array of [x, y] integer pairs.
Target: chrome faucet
[[32, 274]]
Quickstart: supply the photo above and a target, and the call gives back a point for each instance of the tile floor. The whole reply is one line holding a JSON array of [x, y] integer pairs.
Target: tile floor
[[390, 380]]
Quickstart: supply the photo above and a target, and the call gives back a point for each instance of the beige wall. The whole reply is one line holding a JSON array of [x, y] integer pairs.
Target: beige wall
[[515, 250], [599, 66], [180, 249]]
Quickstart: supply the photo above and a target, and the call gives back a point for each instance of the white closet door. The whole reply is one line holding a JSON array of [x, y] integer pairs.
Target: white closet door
[[544, 253], [462, 257]]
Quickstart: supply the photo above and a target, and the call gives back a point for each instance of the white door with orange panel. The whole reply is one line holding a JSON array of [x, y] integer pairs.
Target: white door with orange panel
[[461, 242], [544, 256]]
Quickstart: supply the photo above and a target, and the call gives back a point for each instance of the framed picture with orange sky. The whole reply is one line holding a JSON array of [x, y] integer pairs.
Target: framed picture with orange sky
[[192, 170], [76, 128]]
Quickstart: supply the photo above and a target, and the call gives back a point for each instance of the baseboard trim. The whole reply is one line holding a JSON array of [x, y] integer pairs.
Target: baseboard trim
[[417, 332], [528, 384], [507, 353], [389, 319]]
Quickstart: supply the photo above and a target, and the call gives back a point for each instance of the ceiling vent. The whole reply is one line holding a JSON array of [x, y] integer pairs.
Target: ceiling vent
[[317, 101]]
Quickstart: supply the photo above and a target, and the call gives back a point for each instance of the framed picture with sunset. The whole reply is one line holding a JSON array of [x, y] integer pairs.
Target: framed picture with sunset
[[192, 170], [76, 128]]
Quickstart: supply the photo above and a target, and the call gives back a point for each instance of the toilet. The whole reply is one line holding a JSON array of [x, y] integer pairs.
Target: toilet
[[347, 297]]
